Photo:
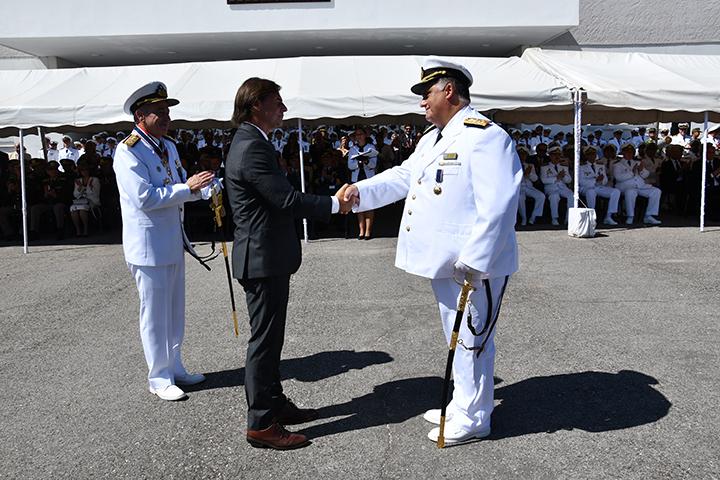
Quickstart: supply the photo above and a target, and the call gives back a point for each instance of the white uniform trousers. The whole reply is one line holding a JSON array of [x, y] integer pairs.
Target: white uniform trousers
[[647, 191], [538, 202], [613, 194], [162, 320], [554, 198], [473, 395]]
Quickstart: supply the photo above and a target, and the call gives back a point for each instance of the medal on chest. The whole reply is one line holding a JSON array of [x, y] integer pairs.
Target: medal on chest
[[437, 190]]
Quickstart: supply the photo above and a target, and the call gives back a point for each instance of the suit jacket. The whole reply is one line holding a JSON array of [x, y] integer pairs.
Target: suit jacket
[[264, 207], [461, 200], [151, 203]]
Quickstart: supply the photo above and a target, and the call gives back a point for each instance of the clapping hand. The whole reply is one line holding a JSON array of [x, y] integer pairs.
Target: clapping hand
[[346, 203]]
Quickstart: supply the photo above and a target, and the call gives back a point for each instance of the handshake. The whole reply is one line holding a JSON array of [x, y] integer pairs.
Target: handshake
[[348, 196]]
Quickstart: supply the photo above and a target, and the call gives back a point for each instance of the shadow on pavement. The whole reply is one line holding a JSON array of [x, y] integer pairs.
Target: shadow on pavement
[[391, 402], [590, 401], [304, 369]]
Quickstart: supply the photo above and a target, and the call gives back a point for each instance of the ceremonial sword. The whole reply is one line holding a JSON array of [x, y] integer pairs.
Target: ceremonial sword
[[462, 303], [217, 207]]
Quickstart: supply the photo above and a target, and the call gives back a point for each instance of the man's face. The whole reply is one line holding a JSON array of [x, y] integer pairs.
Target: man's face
[[155, 118], [360, 136], [555, 157], [435, 103], [628, 153], [270, 110], [541, 149], [591, 156]]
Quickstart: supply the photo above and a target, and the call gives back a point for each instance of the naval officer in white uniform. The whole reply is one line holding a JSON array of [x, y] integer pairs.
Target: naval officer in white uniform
[[153, 189], [555, 179], [528, 190], [630, 178], [593, 183], [461, 192]]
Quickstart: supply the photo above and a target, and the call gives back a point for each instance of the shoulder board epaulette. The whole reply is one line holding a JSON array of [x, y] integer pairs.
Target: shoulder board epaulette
[[476, 122], [131, 140], [428, 130]]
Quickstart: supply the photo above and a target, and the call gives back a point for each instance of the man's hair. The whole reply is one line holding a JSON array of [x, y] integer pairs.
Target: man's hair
[[463, 92], [252, 90]]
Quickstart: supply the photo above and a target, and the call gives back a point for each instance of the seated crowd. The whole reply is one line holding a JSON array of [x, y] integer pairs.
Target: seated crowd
[[665, 169], [77, 181]]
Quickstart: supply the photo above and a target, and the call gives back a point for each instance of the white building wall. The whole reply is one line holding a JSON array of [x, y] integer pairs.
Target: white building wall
[[658, 26]]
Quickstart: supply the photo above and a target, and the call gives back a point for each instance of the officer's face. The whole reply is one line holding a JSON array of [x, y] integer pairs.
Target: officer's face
[[555, 157], [270, 111], [433, 102], [628, 153], [155, 118]]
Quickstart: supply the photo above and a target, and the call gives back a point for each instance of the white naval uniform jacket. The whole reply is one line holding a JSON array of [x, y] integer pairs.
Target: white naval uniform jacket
[[472, 219], [531, 178], [151, 203], [624, 176], [549, 177], [589, 173]]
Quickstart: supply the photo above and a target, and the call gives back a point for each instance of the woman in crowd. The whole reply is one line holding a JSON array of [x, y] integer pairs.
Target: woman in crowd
[[362, 162], [87, 197]]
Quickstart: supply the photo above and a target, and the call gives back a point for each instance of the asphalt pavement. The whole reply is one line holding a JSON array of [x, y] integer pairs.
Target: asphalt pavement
[[607, 366]]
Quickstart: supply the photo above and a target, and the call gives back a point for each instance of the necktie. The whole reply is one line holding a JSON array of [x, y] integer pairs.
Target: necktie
[[439, 136]]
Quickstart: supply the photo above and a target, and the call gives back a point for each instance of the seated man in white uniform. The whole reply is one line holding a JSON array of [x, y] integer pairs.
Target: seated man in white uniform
[[593, 183], [555, 178], [630, 178], [528, 190], [153, 189]]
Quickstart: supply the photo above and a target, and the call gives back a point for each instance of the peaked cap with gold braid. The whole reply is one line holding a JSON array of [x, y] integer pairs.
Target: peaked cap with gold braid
[[151, 93], [435, 68]]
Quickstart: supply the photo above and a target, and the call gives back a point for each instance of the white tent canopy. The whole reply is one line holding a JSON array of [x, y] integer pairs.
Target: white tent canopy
[[313, 88], [636, 87]]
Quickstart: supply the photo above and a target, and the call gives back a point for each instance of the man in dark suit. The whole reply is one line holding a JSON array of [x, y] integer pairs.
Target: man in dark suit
[[266, 251], [712, 184], [673, 178]]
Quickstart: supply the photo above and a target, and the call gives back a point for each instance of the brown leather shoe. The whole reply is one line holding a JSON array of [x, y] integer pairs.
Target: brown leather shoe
[[292, 415], [276, 437]]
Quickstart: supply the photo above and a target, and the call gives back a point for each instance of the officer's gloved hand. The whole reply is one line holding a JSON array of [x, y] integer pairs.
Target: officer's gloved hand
[[463, 272]]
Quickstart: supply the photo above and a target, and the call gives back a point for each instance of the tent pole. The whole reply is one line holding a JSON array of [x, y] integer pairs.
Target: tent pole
[[302, 174], [704, 174], [42, 142], [577, 138], [21, 157]]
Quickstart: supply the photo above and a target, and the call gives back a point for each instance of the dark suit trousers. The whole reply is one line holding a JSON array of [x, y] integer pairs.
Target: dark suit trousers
[[267, 300]]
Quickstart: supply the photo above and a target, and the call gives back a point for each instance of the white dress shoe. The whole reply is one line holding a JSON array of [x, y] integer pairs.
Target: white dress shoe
[[609, 221], [189, 379], [455, 435], [433, 416], [170, 393], [650, 220]]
